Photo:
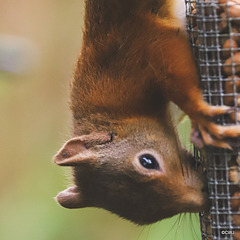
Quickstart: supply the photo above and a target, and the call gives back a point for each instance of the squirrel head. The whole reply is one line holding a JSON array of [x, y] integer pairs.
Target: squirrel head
[[139, 172]]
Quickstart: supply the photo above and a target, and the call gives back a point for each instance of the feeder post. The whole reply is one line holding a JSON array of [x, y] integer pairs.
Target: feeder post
[[213, 28]]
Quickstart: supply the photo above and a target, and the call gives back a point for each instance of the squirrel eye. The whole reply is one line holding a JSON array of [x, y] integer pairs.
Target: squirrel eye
[[148, 161]]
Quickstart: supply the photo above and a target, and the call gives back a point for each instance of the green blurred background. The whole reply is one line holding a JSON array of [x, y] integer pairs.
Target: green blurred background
[[39, 44]]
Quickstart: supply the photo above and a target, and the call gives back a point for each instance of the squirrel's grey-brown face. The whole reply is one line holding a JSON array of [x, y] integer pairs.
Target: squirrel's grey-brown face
[[135, 177]]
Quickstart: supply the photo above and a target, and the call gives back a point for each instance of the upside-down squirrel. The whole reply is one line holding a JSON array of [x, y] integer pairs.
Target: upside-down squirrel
[[124, 150]]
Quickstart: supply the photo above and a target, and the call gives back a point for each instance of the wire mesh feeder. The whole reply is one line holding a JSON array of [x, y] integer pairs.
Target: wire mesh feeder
[[214, 33]]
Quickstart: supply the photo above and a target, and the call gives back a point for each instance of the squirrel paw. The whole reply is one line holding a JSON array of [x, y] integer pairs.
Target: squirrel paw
[[205, 132]]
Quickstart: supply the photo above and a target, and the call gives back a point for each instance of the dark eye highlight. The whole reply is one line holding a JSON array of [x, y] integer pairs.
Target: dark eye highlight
[[148, 161]]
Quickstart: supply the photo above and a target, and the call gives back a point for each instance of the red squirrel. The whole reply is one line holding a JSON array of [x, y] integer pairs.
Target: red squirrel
[[124, 152]]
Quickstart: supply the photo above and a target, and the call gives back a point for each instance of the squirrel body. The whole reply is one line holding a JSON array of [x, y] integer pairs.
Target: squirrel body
[[125, 152]]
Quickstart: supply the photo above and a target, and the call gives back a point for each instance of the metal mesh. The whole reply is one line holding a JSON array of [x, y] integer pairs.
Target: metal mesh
[[214, 32]]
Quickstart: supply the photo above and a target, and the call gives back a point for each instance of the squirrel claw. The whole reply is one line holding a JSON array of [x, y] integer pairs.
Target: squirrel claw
[[220, 110], [201, 138], [207, 133]]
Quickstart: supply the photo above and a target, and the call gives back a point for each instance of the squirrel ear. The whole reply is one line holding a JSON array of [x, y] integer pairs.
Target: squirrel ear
[[70, 198], [76, 150]]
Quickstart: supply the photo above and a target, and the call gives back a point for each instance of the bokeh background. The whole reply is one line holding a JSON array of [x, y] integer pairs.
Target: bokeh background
[[39, 44]]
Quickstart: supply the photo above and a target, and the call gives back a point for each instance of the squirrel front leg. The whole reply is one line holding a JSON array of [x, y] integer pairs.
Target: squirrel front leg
[[172, 62]]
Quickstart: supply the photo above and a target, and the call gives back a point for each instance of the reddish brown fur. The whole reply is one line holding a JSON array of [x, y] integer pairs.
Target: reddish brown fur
[[134, 60]]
